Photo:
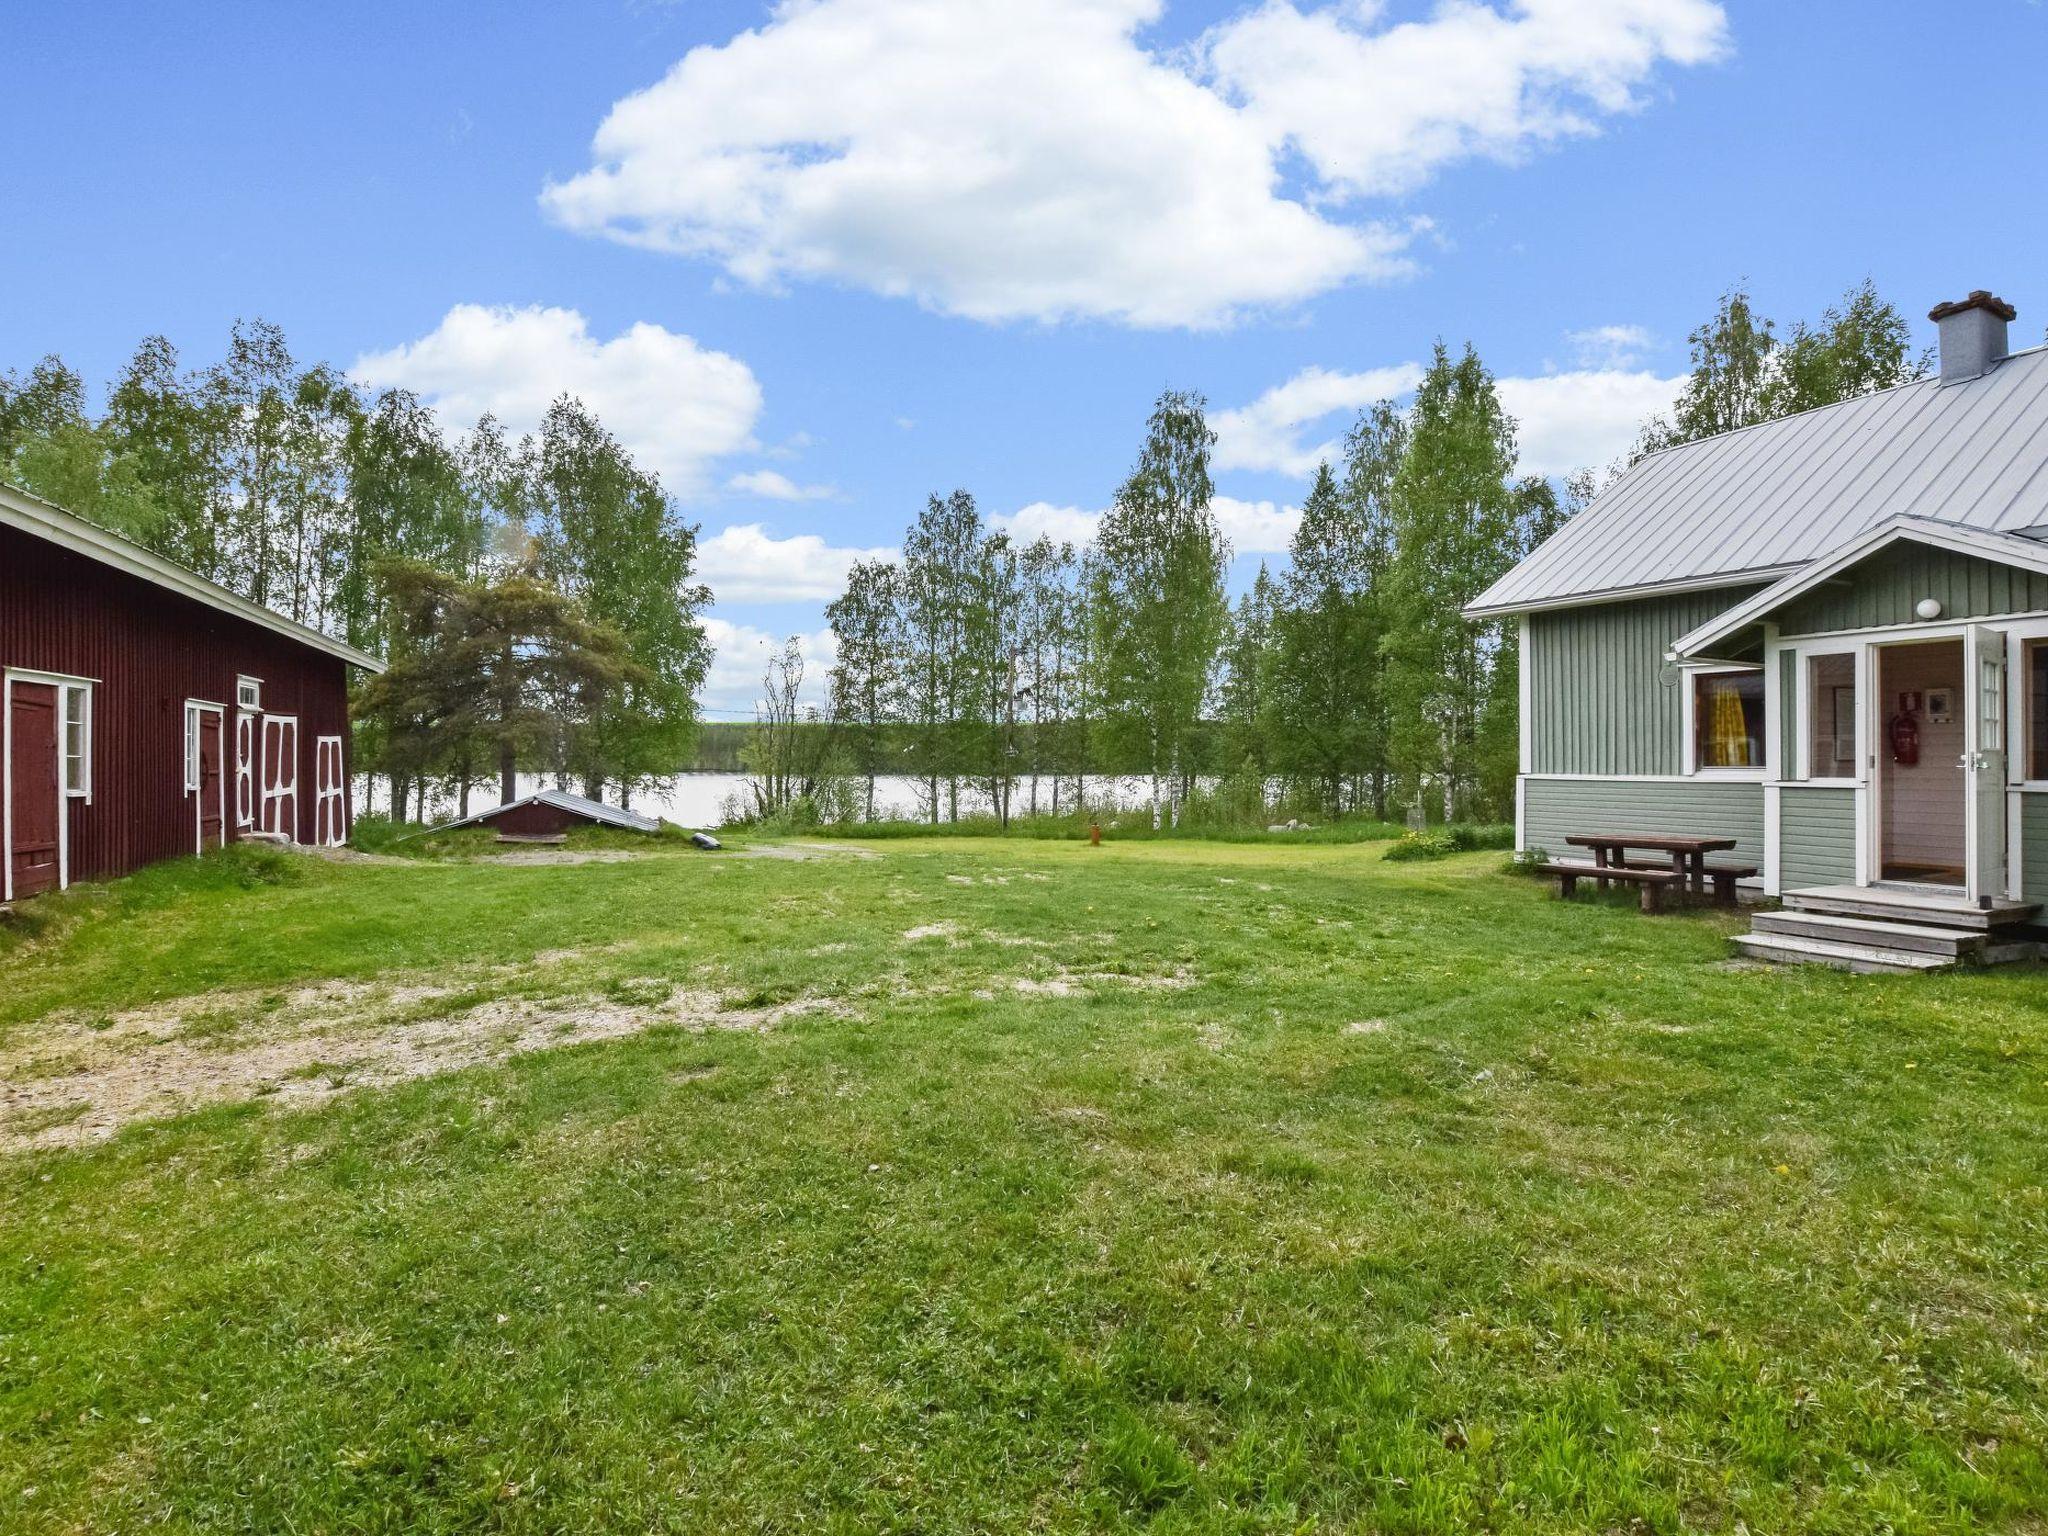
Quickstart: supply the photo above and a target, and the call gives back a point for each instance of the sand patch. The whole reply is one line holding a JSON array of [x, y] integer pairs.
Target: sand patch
[[800, 853], [1066, 983], [305, 1046], [1366, 1027], [923, 931]]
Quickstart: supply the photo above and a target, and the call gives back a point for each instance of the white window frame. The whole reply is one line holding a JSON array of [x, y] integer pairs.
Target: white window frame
[[66, 692], [1690, 673], [62, 682], [2019, 701], [1805, 652], [248, 692]]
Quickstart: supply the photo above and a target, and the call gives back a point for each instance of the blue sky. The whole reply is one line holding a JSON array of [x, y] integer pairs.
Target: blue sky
[[877, 248]]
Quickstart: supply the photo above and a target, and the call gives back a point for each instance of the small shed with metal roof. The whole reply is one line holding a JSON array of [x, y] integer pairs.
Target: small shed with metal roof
[[550, 813], [1824, 636]]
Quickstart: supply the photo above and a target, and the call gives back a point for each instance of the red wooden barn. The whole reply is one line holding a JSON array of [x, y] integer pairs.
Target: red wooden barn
[[148, 712]]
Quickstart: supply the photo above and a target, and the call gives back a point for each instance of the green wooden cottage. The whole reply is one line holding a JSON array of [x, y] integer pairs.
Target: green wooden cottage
[[1825, 637]]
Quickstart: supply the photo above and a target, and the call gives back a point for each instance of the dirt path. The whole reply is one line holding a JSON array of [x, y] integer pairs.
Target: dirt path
[[78, 1081]]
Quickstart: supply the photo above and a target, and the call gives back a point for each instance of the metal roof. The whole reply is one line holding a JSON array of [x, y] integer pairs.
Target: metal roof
[[67, 530], [561, 799], [1763, 501]]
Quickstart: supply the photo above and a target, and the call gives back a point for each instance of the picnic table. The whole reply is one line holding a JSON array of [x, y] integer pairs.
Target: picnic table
[[1688, 854]]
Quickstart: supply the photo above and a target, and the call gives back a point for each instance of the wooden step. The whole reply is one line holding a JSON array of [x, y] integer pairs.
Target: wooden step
[[1879, 933], [1910, 907], [1786, 949]]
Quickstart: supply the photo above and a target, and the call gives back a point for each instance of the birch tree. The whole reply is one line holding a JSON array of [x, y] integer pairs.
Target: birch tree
[[1157, 606]]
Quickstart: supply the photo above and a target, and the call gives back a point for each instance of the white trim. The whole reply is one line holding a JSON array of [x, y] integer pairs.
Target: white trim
[[62, 682], [1762, 573], [195, 770], [2004, 548], [35, 516], [266, 819], [322, 794], [1732, 776], [1527, 730], [249, 773], [242, 679], [1688, 731]]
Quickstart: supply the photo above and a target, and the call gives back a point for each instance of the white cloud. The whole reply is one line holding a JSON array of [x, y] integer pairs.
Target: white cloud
[[1267, 433], [740, 652], [674, 404], [1379, 110], [1582, 420], [1005, 159], [746, 563], [773, 485], [1253, 527], [1041, 519], [1610, 346]]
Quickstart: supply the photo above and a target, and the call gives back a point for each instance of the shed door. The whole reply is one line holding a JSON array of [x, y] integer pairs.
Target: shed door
[[330, 821], [212, 791], [281, 776], [1984, 760], [245, 770], [33, 803]]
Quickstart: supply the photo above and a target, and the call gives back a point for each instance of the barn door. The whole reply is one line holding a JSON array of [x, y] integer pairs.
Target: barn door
[[1984, 760], [281, 776], [34, 842], [212, 807], [330, 817], [245, 770]]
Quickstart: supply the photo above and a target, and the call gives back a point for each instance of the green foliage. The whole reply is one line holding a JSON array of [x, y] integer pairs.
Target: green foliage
[[1742, 373], [1442, 842], [1155, 594]]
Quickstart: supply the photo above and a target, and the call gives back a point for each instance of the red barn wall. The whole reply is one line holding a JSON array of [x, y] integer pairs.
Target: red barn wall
[[537, 820], [149, 650]]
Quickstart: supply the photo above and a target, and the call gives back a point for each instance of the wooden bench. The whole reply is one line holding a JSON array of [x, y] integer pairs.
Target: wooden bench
[[1723, 877], [1651, 882]]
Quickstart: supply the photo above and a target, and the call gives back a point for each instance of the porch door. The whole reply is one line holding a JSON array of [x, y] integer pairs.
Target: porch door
[[1984, 760], [281, 776], [33, 803], [212, 791]]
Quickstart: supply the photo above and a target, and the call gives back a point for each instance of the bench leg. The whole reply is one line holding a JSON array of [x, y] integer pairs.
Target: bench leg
[[1653, 896], [1567, 887], [1724, 890]]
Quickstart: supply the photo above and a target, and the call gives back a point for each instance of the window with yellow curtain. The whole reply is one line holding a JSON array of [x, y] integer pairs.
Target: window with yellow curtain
[[1728, 719]]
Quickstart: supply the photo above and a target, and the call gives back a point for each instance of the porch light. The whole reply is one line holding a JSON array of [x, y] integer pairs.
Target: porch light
[[1928, 608]]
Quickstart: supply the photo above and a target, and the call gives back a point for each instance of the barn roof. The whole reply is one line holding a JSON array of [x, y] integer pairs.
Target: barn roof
[[579, 805], [33, 515], [1761, 502]]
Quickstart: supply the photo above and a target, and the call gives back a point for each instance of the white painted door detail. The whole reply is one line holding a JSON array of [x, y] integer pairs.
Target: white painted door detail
[[281, 776], [1984, 760], [330, 818], [245, 770]]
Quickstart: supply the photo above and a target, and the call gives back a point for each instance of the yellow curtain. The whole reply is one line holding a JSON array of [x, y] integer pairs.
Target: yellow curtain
[[1727, 733]]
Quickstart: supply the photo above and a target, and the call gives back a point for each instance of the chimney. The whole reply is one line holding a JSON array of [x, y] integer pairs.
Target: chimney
[[1972, 333]]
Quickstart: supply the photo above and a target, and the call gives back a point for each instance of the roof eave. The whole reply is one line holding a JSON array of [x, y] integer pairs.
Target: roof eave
[[21, 509], [2006, 548], [1705, 583]]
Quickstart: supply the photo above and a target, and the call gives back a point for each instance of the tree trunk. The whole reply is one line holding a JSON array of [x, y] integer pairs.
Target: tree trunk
[[508, 773], [1156, 819]]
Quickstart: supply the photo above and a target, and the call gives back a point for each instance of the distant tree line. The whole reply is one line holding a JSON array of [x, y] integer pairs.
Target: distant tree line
[[534, 599], [1348, 683]]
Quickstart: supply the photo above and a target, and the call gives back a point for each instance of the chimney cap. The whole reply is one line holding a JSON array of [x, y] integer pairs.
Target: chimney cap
[[1980, 298]]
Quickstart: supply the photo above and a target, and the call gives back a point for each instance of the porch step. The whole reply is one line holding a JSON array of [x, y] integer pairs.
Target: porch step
[[1788, 949], [1891, 906], [1877, 933]]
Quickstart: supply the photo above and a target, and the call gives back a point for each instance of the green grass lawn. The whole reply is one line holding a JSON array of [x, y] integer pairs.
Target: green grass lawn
[[1194, 1186]]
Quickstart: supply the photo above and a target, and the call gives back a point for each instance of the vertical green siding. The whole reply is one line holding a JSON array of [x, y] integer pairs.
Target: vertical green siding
[[2034, 847], [1601, 699], [1554, 808], [1885, 589], [1816, 837], [1788, 715]]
